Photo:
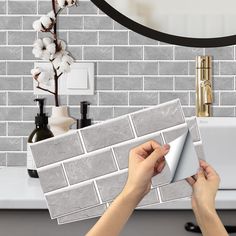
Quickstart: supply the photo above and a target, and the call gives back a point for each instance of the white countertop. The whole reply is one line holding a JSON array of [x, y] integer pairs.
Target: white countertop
[[19, 191]]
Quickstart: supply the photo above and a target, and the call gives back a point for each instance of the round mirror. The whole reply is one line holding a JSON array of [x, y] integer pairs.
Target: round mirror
[[202, 23]]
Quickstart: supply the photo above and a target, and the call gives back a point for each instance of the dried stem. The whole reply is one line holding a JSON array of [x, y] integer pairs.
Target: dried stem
[[47, 90], [56, 43]]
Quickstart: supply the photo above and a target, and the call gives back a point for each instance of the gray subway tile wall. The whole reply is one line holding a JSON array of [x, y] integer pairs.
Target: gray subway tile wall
[[132, 71]]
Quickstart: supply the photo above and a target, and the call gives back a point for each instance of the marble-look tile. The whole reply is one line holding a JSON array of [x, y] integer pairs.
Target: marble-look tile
[[56, 149], [200, 151], [110, 187], [193, 128], [72, 200], [175, 190], [52, 178], [107, 133], [90, 166], [150, 198], [158, 118], [172, 134], [82, 215]]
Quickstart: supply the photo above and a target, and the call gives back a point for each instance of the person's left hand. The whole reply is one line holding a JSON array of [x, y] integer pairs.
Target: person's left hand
[[145, 161]]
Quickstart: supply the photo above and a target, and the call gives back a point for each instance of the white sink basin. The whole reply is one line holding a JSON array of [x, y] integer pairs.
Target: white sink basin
[[219, 141]]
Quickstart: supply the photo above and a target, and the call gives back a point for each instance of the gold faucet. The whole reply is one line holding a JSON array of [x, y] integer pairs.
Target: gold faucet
[[204, 96]]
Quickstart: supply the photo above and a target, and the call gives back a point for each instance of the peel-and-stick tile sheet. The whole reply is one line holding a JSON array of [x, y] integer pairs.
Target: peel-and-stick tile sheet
[[82, 171]]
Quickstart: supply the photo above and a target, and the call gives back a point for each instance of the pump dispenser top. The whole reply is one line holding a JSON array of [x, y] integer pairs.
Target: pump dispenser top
[[84, 121], [41, 119]]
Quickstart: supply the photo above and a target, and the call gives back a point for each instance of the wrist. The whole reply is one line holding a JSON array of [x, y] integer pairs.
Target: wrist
[[205, 211], [131, 195]]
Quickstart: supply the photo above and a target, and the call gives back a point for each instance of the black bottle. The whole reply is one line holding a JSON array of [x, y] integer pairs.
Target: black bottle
[[83, 122], [41, 132]]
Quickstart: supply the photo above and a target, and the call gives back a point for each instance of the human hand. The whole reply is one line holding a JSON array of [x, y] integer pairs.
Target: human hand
[[205, 185], [145, 161]]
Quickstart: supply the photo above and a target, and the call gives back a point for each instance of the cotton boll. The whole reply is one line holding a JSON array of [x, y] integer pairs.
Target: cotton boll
[[61, 3], [56, 62], [64, 67], [38, 43], [45, 55], [44, 48], [35, 71], [51, 15], [37, 26], [51, 48], [61, 45], [68, 59], [44, 78], [70, 3], [46, 22], [37, 52], [47, 41]]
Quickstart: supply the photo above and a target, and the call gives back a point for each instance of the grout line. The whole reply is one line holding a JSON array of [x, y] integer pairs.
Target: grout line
[[115, 158], [159, 194], [97, 191], [82, 141], [67, 180], [85, 182], [132, 125], [163, 138]]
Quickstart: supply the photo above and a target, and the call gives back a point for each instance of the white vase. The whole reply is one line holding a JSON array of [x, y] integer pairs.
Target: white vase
[[60, 121]]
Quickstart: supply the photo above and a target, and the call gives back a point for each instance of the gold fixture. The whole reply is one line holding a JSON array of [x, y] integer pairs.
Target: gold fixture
[[204, 96]]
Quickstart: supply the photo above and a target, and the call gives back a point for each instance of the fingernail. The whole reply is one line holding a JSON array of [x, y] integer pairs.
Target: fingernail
[[166, 147]]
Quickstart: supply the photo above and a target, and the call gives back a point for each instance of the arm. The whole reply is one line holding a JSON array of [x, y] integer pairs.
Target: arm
[[145, 161], [205, 185]]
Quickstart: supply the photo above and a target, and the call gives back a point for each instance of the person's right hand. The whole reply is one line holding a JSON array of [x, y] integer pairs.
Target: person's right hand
[[205, 185]]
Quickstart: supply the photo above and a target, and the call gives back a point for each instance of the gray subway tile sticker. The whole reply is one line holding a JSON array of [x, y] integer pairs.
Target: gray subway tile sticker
[[81, 197], [110, 187], [180, 189], [122, 151], [161, 178], [108, 133], [200, 151], [52, 178], [193, 128], [172, 134], [151, 198], [57, 149], [100, 171], [82, 215], [158, 118], [90, 166]]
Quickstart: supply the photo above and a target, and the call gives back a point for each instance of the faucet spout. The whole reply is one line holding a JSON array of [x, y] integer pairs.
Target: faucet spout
[[207, 94], [204, 95]]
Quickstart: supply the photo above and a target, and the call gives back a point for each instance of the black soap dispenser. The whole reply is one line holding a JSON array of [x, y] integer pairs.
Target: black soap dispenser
[[41, 132], [83, 122]]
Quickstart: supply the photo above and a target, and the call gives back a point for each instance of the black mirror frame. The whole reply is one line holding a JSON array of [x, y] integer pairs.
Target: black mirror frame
[[163, 37]]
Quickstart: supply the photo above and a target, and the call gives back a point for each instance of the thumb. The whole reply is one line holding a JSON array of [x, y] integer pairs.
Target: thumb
[[157, 154]]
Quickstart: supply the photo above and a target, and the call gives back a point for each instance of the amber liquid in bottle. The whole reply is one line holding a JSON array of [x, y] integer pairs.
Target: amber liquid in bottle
[[40, 133]]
